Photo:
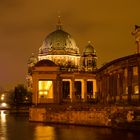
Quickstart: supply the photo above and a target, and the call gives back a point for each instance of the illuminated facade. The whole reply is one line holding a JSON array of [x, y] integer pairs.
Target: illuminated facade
[[62, 74], [118, 81], [53, 85]]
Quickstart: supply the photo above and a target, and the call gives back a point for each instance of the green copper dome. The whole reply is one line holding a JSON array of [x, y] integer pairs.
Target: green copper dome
[[59, 42], [89, 50]]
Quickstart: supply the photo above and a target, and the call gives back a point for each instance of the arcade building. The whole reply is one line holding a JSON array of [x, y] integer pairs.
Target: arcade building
[[62, 74]]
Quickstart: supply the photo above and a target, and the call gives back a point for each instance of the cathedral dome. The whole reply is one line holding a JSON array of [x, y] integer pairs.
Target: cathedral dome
[[59, 42], [60, 47], [89, 50]]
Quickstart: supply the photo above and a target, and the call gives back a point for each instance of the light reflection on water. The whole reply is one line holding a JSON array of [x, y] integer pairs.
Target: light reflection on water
[[2, 125], [17, 127], [45, 132]]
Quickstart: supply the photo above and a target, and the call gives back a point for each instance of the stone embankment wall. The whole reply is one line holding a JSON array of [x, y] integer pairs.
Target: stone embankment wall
[[119, 117]]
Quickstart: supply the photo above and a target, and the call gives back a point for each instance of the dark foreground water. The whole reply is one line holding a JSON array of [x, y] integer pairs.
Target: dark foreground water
[[17, 127]]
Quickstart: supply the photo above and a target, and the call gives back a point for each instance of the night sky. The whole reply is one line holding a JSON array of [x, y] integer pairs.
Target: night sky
[[25, 23]]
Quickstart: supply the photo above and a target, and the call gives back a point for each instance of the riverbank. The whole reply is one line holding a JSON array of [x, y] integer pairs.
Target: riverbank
[[16, 109], [19, 110], [127, 117], [18, 127]]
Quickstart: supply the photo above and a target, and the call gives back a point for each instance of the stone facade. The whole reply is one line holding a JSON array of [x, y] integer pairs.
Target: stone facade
[[118, 81], [61, 74], [55, 82], [69, 76], [115, 117], [66, 86]]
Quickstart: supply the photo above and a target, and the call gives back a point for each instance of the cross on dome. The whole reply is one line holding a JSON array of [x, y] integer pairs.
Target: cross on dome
[[59, 23]]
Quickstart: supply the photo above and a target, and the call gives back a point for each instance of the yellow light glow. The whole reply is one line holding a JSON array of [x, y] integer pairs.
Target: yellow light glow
[[136, 89], [2, 97], [3, 104], [45, 92], [3, 116], [40, 132], [135, 71], [45, 87], [60, 59], [40, 92]]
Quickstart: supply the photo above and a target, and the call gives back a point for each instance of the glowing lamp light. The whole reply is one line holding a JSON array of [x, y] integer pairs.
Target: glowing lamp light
[[26, 98], [3, 105], [2, 97]]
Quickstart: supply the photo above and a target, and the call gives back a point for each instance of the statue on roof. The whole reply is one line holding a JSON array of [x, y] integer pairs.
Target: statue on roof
[[136, 34]]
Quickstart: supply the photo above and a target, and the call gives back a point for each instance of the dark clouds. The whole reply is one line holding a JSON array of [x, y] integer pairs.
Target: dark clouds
[[25, 23]]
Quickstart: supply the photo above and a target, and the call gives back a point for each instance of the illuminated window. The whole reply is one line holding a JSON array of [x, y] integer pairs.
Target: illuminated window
[[136, 89], [126, 90], [125, 73], [135, 71], [45, 89]]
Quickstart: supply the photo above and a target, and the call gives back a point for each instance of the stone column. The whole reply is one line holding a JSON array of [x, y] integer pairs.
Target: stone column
[[111, 87], [125, 84], [130, 74], [94, 89], [57, 88], [115, 78], [107, 89], [54, 84], [100, 98], [84, 90], [72, 90], [121, 84], [57, 92], [35, 90], [118, 86], [104, 89], [139, 80]]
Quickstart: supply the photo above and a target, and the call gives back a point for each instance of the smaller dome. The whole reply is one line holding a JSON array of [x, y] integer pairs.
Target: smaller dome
[[45, 62], [89, 50]]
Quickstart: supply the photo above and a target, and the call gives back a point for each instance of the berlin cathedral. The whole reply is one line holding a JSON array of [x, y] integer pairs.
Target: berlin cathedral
[[62, 74]]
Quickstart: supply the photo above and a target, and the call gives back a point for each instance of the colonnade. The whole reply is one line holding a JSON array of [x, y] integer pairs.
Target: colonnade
[[120, 85], [84, 87]]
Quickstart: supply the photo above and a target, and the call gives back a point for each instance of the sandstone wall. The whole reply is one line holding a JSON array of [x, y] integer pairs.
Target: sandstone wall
[[120, 117]]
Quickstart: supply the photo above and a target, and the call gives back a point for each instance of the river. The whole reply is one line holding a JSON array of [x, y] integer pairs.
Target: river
[[17, 127]]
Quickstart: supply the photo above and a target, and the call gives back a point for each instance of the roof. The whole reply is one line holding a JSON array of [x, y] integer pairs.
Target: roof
[[58, 40], [118, 60], [45, 62]]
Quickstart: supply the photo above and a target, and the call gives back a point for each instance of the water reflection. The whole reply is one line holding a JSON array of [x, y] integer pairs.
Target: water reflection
[[17, 127], [45, 132], [2, 125], [3, 117]]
